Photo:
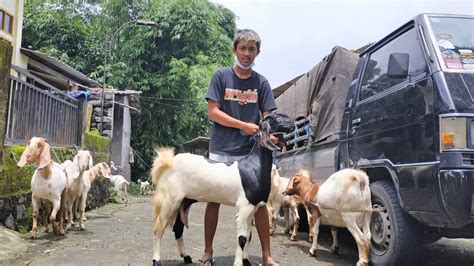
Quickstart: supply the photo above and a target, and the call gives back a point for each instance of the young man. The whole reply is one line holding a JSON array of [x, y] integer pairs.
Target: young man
[[237, 97]]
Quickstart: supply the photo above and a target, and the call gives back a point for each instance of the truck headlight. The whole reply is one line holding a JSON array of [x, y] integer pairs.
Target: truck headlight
[[453, 133]]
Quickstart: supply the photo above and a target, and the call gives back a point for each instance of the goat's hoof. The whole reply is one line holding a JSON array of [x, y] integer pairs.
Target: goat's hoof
[[34, 234], [83, 227], [362, 263], [60, 232], [246, 262], [187, 259], [335, 250], [312, 252], [293, 238], [156, 263]]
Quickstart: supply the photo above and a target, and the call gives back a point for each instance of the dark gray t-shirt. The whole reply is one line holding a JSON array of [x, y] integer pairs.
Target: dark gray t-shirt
[[242, 99]]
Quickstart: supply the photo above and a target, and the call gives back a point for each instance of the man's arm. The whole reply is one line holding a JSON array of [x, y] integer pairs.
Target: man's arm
[[216, 115]]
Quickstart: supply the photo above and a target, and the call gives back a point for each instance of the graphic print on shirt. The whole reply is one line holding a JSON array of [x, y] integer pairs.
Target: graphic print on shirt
[[242, 96]]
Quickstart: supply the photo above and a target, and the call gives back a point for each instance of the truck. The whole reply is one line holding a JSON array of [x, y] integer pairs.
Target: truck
[[403, 112]]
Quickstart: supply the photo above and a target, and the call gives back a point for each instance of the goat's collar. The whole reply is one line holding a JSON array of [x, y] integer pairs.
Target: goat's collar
[[44, 165]]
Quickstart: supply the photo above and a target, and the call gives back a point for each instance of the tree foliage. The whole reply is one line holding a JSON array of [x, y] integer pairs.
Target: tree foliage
[[171, 62]]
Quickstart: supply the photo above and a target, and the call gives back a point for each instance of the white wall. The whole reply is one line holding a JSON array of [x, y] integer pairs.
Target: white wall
[[15, 9]]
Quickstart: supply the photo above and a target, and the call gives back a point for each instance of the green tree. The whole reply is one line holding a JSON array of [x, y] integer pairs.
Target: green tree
[[171, 63]]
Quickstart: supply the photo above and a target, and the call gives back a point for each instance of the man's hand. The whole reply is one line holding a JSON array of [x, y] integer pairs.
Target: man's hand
[[250, 128], [273, 139]]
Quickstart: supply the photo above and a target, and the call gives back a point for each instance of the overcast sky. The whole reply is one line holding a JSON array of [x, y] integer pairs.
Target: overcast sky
[[297, 34]]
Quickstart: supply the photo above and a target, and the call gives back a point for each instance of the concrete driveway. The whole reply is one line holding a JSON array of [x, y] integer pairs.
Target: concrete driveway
[[122, 235]]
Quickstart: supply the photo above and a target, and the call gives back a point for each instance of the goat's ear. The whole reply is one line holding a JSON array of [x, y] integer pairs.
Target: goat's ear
[[276, 180], [72, 171], [265, 137], [296, 180], [91, 162], [45, 156]]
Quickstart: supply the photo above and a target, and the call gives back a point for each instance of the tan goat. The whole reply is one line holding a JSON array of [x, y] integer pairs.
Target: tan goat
[[100, 169], [277, 199]]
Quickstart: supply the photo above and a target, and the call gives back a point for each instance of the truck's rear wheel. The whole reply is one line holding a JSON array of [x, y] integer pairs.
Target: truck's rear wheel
[[393, 231]]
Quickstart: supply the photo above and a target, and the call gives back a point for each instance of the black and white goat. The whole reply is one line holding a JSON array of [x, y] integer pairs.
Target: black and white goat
[[186, 178]]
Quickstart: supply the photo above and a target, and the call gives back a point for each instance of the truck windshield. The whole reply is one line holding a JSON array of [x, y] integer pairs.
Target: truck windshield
[[454, 41]]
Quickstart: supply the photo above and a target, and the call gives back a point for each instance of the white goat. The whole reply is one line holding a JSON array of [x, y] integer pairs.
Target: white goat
[[48, 183], [186, 178], [76, 184], [277, 199], [144, 186], [343, 200], [119, 182]]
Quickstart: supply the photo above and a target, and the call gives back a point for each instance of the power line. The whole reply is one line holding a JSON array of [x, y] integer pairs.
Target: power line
[[170, 99]]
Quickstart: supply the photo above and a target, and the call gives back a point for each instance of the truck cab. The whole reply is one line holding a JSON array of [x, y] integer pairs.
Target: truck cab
[[408, 121]]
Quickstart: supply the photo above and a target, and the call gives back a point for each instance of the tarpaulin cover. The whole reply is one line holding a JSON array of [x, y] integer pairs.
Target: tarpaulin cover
[[321, 93], [79, 94]]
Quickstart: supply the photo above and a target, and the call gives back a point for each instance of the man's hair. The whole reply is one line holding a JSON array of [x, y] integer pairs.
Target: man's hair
[[248, 35]]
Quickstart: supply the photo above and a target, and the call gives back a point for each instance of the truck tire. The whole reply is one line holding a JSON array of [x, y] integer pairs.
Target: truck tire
[[394, 237]]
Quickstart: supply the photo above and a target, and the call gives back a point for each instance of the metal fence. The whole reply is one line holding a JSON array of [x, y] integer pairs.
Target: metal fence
[[37, 108]]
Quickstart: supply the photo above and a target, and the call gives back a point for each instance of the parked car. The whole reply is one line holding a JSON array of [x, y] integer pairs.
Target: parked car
[[403, 111]]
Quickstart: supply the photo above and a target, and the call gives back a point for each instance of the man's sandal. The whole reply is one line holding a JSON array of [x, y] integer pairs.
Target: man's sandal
[[206, 262]]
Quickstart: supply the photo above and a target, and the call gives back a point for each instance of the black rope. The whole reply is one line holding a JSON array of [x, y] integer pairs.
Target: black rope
[[134, 152]]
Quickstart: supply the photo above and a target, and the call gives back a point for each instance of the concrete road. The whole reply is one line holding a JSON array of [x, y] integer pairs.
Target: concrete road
[[122, 235]]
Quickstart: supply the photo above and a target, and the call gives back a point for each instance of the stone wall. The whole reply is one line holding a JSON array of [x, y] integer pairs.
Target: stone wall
[[96, 102], [5, 63]]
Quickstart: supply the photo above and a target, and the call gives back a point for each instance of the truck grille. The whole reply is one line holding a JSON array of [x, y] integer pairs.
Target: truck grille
[[468, 159]]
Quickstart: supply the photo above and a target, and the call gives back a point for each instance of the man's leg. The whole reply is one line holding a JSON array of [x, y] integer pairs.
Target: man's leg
[[263, 229], [211, 218]]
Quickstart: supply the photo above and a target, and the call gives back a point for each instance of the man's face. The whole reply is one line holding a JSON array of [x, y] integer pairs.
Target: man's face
[[246, 51]]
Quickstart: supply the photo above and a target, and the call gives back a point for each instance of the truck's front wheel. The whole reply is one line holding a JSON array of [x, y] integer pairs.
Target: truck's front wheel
[[393, 231]]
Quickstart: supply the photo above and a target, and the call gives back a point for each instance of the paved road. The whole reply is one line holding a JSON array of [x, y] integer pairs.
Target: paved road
[[121, 235]]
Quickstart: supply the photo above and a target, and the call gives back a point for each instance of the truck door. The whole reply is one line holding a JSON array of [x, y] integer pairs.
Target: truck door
[[392, 120]]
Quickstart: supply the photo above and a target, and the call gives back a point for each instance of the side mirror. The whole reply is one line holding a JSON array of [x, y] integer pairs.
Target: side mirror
[[398, 65]]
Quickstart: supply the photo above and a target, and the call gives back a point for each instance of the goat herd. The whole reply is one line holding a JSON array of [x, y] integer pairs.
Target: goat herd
[[342, 200], [64, 185]]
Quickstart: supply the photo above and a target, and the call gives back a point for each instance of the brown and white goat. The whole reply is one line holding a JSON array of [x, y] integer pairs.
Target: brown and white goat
[[278, 200], [48, 183], [186, 178], [343, 200]]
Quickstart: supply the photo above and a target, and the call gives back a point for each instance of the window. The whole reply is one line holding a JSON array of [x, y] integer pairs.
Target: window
[[375, 78], [6, 22], [454, 41], [2, 15]]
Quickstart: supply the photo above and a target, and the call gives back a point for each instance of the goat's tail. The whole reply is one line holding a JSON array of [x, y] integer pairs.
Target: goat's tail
[[163, 161], [363, 180]]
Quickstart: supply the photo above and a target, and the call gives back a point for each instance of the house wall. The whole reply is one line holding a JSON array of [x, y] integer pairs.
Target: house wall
[[5, 60], [15, 9], [122, 130]]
